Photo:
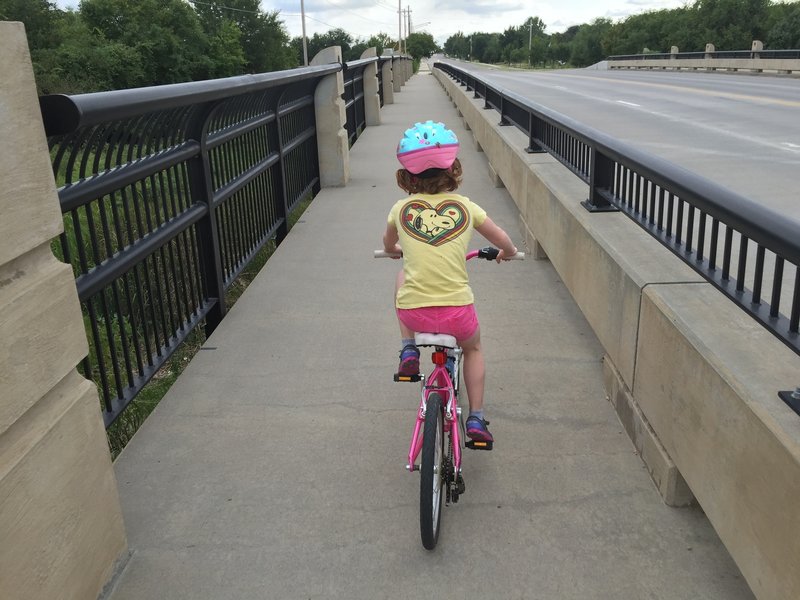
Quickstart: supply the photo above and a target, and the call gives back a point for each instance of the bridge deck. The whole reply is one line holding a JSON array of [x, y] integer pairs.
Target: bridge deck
[[274, 468]]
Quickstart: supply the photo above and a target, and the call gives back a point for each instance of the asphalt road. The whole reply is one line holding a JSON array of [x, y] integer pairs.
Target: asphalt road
[[742, 131]]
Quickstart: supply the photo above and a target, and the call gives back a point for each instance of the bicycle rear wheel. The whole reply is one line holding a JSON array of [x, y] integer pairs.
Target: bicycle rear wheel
[[431, 472]]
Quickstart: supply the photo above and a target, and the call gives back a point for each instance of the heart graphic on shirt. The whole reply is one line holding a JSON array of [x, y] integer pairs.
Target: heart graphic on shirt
[[434, 226]]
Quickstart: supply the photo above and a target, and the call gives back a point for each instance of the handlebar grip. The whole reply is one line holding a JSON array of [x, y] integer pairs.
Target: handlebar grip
[[490, 253], [382, 254]]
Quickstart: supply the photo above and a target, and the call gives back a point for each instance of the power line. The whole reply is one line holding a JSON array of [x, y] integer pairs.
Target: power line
[[354, 35]]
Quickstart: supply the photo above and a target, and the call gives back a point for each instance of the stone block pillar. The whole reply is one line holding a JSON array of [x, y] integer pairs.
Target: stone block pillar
[[709, 55], [388, 81], [397, 74], [332, 146], [372, 102], [60, 518]]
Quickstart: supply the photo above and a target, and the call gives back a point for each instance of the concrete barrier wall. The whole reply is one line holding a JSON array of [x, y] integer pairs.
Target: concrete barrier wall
[[757, 65], [693, 378], [60, 519]]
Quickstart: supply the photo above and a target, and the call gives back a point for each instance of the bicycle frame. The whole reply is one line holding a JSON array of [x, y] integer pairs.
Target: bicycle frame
[[439, 381]]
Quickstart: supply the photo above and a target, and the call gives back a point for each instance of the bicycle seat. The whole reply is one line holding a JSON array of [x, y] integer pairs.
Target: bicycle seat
[[435, 339]]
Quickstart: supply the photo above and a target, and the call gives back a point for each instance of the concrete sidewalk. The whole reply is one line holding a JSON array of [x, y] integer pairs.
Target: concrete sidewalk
[[274, 468]]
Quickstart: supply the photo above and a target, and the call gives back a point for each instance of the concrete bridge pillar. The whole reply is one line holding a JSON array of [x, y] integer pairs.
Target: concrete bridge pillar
[[332, 146], [397, 74], [60, 518], [388, 81], [372, 101]]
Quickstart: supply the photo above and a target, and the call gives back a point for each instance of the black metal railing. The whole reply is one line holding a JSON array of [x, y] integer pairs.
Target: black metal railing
[[729, 54], [748, 251], [354, 96], [167, 193]]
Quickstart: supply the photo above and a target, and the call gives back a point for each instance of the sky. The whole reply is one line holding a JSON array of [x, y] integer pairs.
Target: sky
[[443, 18]]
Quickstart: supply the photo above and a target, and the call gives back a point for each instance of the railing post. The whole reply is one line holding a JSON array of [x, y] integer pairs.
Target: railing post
[[281, 203], [601, 178], [202, 191], [503, 121], [372, 103], [534, 124], [332, 147], [792, 399]]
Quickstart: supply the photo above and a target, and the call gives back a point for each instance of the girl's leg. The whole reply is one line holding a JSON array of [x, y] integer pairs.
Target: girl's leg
[[409, 355], [474, 370], [474, 376]]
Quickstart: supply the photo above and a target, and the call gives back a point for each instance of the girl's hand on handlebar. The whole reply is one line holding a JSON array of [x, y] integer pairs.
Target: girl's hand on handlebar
[[501, 256], [396, 251]]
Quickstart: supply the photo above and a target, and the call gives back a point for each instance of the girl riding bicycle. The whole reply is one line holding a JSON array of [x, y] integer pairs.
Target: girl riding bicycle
[[432, 228]]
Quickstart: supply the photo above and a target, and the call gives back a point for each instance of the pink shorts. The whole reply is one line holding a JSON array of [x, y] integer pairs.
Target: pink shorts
[[458, 321]]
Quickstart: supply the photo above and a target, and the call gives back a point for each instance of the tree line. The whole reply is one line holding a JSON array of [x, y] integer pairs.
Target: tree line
[[117, 44], [728, 24]]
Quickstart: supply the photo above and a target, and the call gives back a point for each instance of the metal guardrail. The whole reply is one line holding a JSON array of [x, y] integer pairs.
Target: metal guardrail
[[167, 194], [746, 250]]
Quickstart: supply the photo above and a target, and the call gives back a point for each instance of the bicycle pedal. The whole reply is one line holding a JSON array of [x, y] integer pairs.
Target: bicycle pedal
[[478, 445], [409, 378]]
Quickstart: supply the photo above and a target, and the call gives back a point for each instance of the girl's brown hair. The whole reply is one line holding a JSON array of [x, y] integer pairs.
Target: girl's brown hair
[[432, 181]]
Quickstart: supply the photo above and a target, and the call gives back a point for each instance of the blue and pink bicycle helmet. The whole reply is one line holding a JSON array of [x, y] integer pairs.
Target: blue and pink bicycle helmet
[[426, 146]]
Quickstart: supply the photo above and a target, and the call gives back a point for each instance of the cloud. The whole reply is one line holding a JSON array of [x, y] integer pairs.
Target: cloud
[[478, 7]]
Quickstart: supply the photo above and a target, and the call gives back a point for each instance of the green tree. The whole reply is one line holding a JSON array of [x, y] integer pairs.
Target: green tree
[[587, 46], [333, 37], [41, 19], [264, 40], [421, 45], [457, 46], [783, 27], [730, 24], [380, 42], [165, 36]]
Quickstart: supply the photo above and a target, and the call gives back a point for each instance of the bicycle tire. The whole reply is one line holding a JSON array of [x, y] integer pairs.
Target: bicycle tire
[[431, 473]]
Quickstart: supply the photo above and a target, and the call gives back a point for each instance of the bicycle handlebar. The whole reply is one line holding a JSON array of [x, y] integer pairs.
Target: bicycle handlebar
[[487, 253]]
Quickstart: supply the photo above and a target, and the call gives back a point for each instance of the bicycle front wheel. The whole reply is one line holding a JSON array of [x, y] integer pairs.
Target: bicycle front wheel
[[431, 472]]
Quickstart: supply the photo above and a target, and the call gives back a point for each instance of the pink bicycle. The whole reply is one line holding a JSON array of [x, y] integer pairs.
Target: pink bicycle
[[439, 434]]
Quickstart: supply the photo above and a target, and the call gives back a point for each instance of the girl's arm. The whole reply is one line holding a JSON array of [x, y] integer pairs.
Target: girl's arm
[[498, 237], [390, 239]]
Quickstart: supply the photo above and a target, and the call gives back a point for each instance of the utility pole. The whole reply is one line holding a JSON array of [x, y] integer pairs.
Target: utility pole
[[399, 26], [530, 40], [305, 43], [406, 27]]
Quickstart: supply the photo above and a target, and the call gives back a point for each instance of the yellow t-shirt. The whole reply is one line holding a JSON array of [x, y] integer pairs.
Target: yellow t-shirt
[[435, 230]]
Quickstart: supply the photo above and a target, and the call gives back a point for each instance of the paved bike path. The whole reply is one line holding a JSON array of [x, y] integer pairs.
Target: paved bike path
[[274, 467]]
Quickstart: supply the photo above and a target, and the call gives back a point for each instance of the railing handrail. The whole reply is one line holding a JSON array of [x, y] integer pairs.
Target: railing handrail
[[764, 226], [759, 222], [64, 114], [360, 63]]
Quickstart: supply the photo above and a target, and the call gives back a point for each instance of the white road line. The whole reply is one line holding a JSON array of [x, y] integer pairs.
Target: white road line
[[628, 103]]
